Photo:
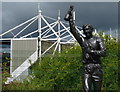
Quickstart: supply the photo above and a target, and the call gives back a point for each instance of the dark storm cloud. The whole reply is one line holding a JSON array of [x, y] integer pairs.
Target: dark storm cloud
[[101, 15], [16, 13]]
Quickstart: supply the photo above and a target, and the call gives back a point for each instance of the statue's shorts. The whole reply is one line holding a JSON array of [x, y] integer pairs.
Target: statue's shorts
[[92, 77]]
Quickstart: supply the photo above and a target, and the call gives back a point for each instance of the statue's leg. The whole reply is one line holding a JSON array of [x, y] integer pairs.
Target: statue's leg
[[86, 81], [97, 79]]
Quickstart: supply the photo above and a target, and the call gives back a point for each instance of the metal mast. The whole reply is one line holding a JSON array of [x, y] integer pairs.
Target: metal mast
[[116, 35], [39, 31], [59, 46], [74, 16], [110, 33]]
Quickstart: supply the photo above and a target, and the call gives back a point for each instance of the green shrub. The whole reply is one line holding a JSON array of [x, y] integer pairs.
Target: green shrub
[[63, 70]]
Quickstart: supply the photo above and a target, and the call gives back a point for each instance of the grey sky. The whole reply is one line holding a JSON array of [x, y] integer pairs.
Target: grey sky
[[60, 0], [102, 15]]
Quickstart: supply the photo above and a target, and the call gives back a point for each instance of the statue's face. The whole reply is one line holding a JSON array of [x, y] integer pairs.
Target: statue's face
[[88, 29], [88, 33]]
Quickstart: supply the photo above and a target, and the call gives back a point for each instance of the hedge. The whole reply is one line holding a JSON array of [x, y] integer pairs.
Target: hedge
[[63, 70]]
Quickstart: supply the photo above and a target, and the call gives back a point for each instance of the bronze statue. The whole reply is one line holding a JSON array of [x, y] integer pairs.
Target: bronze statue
[[93, 49]]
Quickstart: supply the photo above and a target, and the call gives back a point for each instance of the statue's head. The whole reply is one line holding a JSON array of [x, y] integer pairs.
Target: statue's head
[[88, 29]]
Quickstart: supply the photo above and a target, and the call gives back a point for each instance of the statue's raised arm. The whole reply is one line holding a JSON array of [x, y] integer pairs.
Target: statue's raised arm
[[69, 17]]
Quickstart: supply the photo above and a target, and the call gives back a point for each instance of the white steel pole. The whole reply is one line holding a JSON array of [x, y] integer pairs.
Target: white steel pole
[[110, 33], [116, 35], [17, 26], [103, 34], [74, 16], [25, 27], [59, 45], [11, 51], [39, 31]]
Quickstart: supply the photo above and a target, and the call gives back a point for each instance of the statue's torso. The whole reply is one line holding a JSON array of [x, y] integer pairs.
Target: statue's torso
[[93, 43]]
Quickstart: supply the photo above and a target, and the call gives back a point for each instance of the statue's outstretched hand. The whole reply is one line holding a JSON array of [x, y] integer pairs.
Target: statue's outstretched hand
[[69, 14]]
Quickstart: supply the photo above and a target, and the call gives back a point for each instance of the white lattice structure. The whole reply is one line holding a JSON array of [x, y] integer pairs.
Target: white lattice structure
[[57, 32], [46, 33]]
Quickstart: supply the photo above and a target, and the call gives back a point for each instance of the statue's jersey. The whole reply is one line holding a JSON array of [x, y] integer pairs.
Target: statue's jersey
[[96, 44]]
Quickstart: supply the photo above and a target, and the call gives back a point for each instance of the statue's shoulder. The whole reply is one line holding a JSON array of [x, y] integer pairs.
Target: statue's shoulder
[[98, 38]]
